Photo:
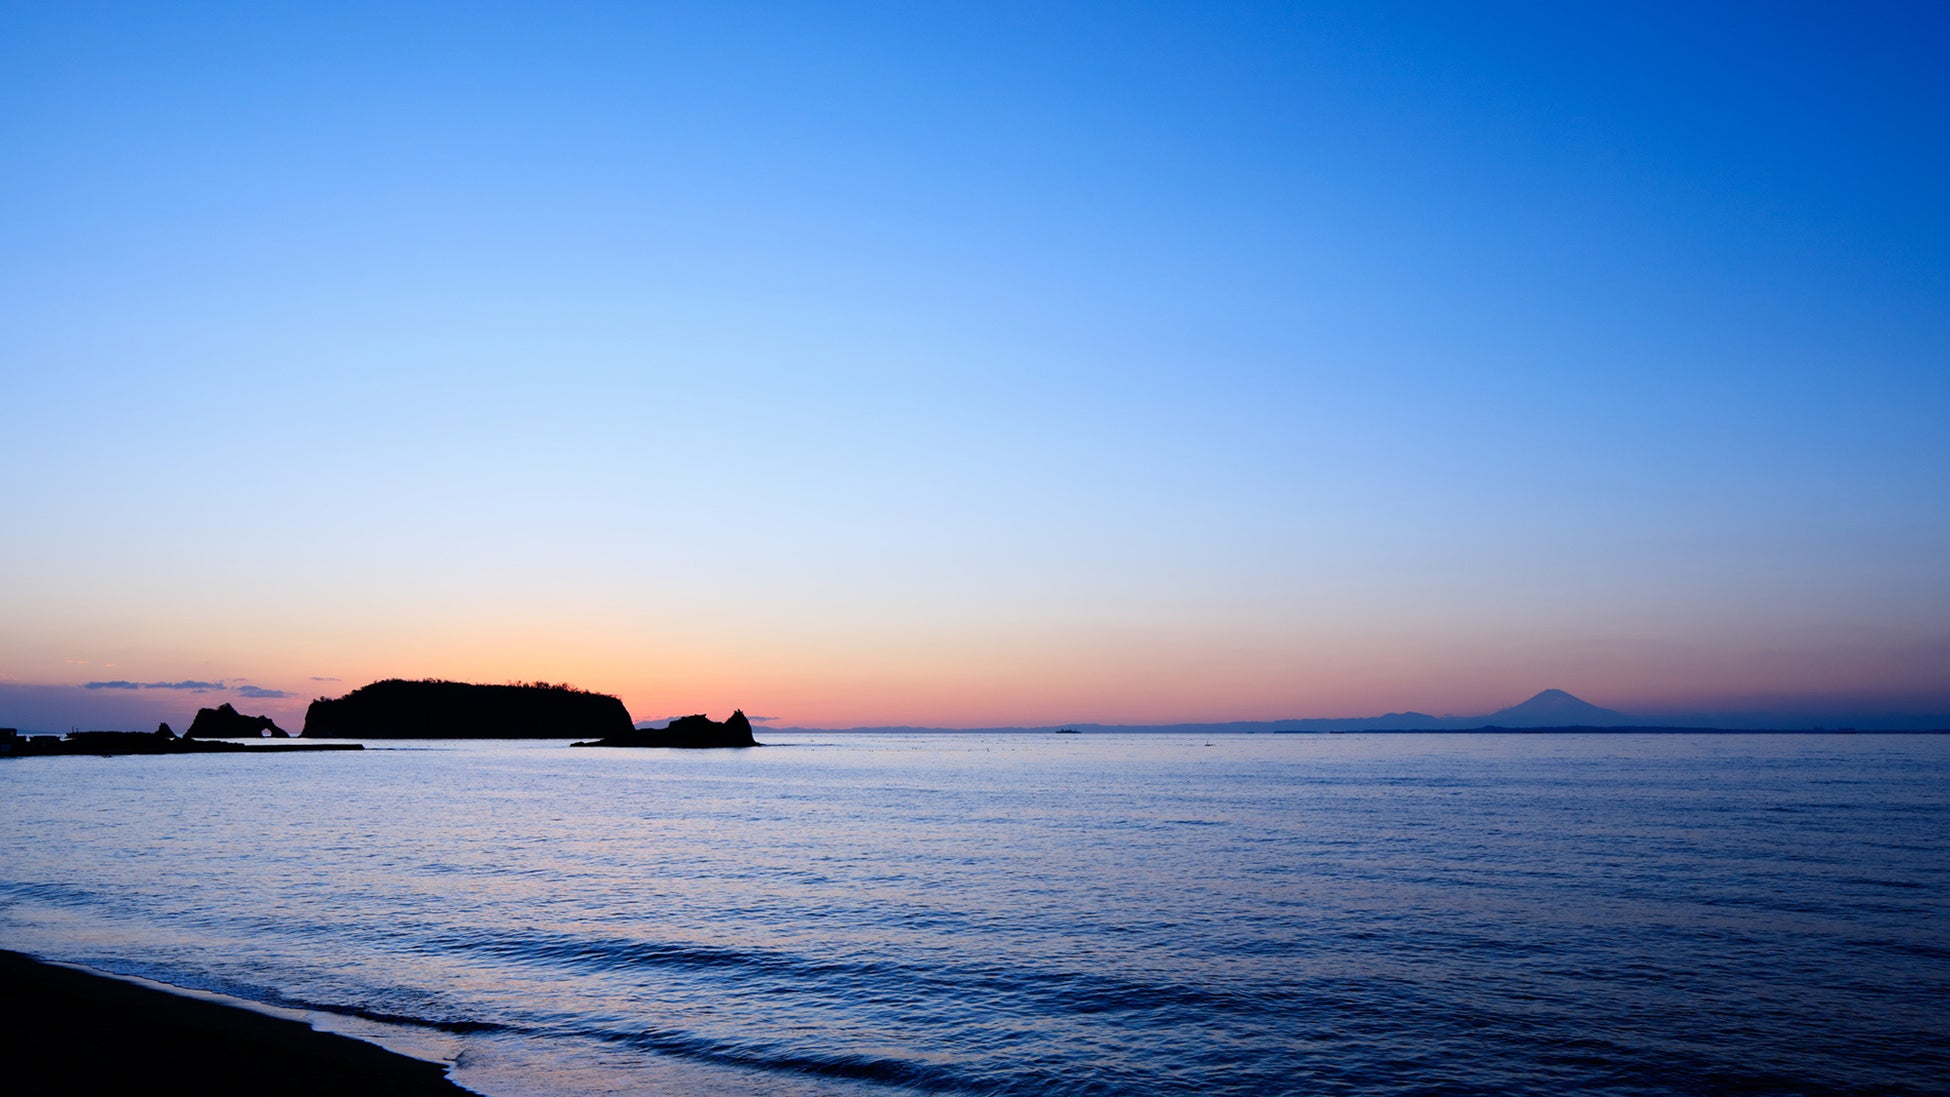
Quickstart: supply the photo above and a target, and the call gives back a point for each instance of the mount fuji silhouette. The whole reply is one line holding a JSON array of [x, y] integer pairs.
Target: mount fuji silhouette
[[1554, 708]]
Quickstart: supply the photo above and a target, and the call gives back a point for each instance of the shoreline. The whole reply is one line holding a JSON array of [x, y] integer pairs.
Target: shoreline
[[65, 1030]]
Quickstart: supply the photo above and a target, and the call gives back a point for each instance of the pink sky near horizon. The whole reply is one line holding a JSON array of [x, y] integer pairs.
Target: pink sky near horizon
[[874, 648], [1075, 678]]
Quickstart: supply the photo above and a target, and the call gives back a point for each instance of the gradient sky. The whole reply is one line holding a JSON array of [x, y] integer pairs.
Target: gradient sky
[[966, 364]]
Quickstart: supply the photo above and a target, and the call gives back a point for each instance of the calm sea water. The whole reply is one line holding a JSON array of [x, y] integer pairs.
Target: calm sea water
[[1319, 914]]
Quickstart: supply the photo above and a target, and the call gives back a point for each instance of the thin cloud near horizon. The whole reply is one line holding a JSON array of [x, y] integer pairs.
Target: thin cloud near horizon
[[260, 693], [187, 684], [263, 694]]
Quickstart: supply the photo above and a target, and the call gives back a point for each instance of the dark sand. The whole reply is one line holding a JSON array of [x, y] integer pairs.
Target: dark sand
[[64, 1031]]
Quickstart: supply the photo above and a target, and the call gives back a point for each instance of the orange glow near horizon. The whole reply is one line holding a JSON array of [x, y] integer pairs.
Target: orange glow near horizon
[[804, 666]]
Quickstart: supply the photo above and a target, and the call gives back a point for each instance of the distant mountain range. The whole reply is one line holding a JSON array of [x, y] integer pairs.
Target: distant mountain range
[[1553, 708]]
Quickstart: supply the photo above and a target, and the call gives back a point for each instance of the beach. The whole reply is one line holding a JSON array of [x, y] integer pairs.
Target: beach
[[67, 1031]]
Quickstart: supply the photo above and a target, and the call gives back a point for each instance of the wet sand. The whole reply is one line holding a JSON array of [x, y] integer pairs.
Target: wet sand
[[64, 1031]]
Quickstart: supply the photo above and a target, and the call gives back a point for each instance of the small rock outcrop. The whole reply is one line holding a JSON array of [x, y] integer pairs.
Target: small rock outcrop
[[225, 722], [690, 732], [437, 709]]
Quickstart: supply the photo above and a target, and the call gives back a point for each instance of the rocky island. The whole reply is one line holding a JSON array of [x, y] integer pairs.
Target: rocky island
[[225, 722], [693, 732], [436, 709]]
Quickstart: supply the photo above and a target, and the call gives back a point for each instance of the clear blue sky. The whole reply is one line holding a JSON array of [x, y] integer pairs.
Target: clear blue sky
[[972, 364]]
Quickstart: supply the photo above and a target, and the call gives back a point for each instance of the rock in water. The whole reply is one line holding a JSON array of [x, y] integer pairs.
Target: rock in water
[[686, 731], [225, 722]]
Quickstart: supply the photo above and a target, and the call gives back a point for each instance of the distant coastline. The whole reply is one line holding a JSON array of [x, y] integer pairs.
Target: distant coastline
[[108, 744], [1552, 710], [1348, 727], [442, 709]]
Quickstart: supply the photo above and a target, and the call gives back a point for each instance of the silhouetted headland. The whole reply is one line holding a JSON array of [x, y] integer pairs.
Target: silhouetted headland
[[69, 1032], [159, 741], [435, 709], [225, 722], [690, 732]]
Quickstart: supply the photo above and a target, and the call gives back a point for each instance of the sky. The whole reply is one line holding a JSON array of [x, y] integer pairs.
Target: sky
[[975, 364]]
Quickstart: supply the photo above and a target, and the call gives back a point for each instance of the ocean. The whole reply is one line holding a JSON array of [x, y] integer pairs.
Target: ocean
[[1024, 914]]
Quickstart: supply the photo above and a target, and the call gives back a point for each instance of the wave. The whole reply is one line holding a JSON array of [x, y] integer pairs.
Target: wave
[[906, 1073], [1022, 987], [54, 895]]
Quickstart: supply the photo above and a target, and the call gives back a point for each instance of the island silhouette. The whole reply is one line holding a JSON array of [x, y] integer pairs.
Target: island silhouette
[[434, 708], [225, 722], [689, 732]]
